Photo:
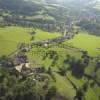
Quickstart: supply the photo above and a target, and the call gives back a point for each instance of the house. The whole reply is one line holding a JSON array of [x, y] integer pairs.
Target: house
[[24, 68]]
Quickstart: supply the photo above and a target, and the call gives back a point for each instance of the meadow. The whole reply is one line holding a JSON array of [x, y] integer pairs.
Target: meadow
[[86, 42], [10, 37]]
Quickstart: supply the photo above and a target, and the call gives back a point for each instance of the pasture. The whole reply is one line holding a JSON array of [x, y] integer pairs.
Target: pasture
[[10, 37], [86, 42]]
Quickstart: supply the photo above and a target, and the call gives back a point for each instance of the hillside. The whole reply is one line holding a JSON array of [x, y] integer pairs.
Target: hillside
[[49, 50]]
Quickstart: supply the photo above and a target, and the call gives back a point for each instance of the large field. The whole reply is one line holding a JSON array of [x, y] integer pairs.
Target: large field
[[86, 42], [10, 37]]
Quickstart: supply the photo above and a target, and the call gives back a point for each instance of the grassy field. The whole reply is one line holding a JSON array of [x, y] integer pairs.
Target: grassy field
[[10, 37], [86, 42], [41, 35]]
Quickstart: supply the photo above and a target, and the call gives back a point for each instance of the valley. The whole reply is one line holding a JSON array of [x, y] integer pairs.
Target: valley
[[49, 50]]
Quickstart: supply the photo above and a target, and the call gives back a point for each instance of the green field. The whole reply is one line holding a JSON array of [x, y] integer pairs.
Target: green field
[[10, 37], [42, 35], [86, 42]]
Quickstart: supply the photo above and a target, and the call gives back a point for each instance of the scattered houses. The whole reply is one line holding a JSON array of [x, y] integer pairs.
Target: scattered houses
[[23, 67]]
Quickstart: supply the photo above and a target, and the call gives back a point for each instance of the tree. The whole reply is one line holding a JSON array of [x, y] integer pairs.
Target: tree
[[6, 61], [63, 70], [13, 88], [85, 57], [49, 71], [77, 67], [33, 33], [79, 95], [32, 38], [51, 93]]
